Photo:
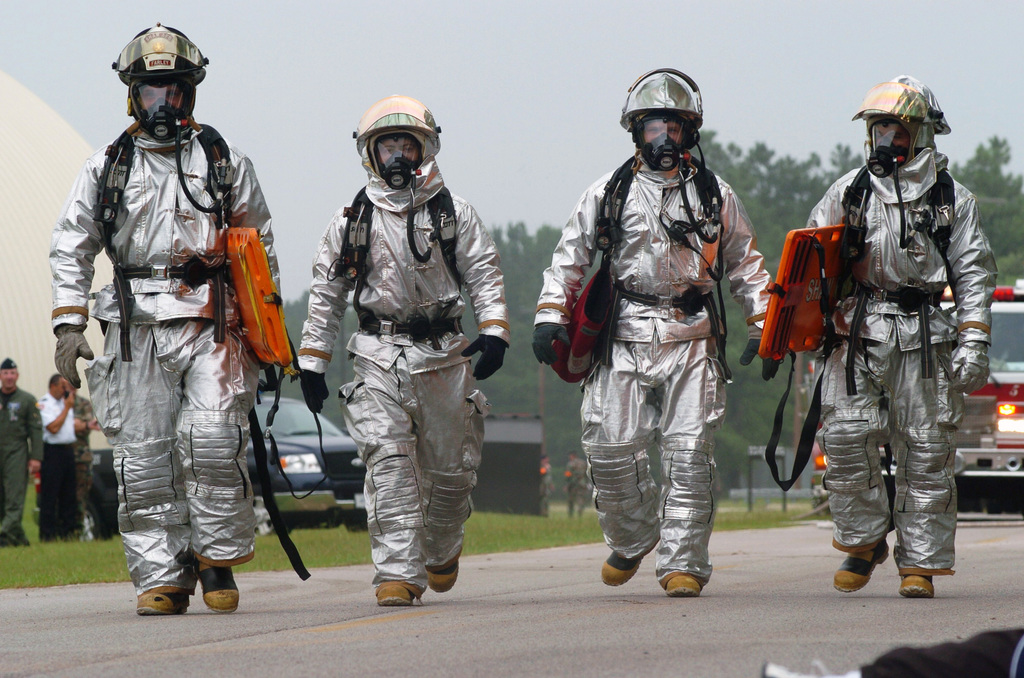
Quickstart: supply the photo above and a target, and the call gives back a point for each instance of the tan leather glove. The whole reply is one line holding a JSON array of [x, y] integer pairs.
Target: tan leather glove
[[71, 345]]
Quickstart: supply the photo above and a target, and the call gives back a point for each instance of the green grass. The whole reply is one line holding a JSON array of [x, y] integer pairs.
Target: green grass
[[56, 564]]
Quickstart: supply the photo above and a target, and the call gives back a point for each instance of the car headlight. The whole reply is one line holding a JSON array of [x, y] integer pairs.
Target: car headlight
[[300, 463]]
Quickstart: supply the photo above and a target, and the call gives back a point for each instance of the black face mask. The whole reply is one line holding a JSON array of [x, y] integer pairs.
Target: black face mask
[[663, 154], [160, 124], [160, 119], [885, 156], [882, 161], [397, 172]]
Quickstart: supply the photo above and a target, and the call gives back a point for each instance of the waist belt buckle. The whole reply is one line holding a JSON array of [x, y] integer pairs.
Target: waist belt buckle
[[420, 328], [387, 327], [911, 299], [159, 271]]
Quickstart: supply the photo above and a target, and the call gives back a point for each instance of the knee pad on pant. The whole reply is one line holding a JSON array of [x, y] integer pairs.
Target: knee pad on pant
[[621, 474], [446, 498], [688, 470], [393, 494], [149, 485], [926, 481], [213, 445], [851, 445]]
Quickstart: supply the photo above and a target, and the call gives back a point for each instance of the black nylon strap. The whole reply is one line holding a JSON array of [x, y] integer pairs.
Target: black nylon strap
[[260, 453], [125, 304], [851, 354], [807, 433], [773, 441]]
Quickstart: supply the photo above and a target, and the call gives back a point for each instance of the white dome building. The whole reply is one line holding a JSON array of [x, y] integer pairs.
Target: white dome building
[[40, 156]]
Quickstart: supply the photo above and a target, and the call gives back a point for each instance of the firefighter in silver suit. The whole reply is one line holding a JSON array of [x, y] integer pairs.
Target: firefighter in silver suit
[[898, 377], [662, 381], [404, 249], [174, 381]]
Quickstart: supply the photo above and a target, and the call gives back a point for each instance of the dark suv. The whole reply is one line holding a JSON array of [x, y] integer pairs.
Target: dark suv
[[328, 488]]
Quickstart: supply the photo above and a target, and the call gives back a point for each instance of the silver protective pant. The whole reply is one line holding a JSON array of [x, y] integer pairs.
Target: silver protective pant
[[918, 418], [671, 395], [420, 436], [176, 417]]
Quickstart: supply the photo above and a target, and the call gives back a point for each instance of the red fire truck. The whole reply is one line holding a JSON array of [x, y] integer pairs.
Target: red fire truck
[[990, 443]]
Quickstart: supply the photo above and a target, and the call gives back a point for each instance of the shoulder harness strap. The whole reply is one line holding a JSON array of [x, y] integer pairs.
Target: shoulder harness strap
[[609, 216], [221, 173], [113, 179], [355, 248], [855, 204], [442, 215]]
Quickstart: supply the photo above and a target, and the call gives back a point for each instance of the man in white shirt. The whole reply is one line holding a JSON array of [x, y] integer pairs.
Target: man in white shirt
[[57, 498]]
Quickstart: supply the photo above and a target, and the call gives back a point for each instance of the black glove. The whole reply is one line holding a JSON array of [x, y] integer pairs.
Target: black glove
[[543, 336], [314, 390], [750, 351], [769, 367], [493, 355]]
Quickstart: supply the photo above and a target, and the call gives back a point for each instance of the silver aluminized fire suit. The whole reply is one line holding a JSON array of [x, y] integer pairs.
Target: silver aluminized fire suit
[[413, 407], [894, 404], [175, 414], [664, 383]]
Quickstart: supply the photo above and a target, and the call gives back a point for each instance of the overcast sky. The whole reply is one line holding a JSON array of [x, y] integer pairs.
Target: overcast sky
[[528, 94]]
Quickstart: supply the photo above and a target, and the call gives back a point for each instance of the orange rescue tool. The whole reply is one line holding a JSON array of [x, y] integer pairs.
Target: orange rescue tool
[[810, 263], [259, 302]]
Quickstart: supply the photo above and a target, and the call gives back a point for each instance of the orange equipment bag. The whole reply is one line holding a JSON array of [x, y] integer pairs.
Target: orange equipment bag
[[259, 303], [797, 308], [589, 315]]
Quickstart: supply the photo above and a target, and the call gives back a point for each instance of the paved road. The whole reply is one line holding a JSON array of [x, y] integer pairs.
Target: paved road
[[535, 613]]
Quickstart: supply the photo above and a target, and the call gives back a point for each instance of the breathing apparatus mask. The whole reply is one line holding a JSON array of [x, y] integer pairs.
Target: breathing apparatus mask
[[159, 105], [397, 157], [890, 147], [663, 140]]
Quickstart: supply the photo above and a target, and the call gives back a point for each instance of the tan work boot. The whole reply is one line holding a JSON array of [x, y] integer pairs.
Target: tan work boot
[[220, 593], [397, 594], [617, 570], [916, 586], [442, 578], [160, 603], [681, 585], [855, 572]]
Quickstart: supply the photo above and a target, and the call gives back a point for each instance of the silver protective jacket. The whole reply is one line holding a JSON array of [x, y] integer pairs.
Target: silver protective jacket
[[887, 266], [662, 385], [399, 288], [649, 262], [894, 404], [408, 397], [175, 413], [156, 227]]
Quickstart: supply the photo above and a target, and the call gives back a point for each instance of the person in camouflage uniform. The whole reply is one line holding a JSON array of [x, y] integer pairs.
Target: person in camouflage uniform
[[547, 485], [85, 422], [21, 452], [576, 485]]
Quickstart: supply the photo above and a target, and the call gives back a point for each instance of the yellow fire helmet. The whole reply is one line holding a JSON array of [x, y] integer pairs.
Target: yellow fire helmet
[[910, 101], [399, 114]]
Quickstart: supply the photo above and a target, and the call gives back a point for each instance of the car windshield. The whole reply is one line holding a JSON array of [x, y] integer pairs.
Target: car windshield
[[294, 419], [1007, 352]]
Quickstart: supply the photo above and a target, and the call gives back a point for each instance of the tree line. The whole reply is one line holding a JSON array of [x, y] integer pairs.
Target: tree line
[[778, 194]]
